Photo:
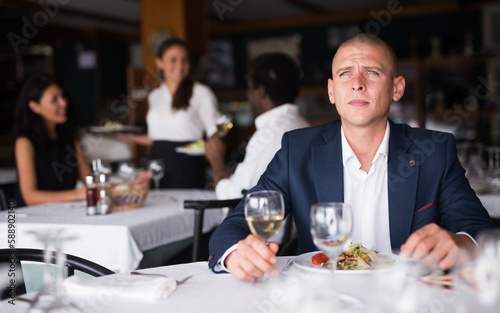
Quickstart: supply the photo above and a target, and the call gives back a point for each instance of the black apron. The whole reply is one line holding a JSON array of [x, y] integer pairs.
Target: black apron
[[182, 171]]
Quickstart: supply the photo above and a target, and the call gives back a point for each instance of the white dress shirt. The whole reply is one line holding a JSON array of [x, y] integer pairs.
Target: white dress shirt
[[368, 196], [262, 146], [182, 125]]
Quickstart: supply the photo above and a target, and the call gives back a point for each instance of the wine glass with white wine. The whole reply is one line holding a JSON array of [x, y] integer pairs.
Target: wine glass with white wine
[[264, 212], [224, 124]]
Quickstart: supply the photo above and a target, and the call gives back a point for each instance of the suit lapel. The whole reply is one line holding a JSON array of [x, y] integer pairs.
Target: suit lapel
[[327, 166], [403, 172]]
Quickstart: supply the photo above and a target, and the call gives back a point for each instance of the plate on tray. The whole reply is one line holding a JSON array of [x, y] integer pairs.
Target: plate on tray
[[196, 148], [115, 129]]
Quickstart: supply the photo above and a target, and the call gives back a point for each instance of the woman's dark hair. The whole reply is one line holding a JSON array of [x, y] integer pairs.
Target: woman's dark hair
[[29, 124], [184, 92], [279, 74]]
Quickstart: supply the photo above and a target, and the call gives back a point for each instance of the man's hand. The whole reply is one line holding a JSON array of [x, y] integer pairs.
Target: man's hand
[[252, 258], [434, 245], [143, 178], [215, 150]]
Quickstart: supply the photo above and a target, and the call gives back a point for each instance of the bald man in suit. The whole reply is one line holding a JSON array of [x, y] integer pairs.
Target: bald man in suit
[[407, 188]]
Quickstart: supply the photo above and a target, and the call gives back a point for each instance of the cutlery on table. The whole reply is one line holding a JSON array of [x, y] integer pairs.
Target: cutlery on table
[[161, 275], [287, 266]]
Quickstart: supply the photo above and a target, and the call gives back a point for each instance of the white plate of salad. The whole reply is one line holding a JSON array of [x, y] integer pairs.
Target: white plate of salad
[[355, 260]]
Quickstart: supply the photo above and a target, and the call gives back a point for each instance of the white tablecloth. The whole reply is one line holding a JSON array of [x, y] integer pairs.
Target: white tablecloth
[[117, 240], [300, 291]]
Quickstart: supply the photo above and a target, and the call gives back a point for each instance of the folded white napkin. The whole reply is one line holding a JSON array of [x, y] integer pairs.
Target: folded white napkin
[[121, 286]]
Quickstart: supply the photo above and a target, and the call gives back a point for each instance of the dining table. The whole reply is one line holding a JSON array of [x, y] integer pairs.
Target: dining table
[[118, 240], [295, 289]]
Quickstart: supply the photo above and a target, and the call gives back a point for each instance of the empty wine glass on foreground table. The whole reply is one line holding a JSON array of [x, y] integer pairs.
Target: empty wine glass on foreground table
[[126, 172], [485, 268], [52, 296], [158, 170], [331, 226]]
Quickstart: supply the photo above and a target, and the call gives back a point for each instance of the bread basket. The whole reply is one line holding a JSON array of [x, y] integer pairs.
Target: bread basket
[[125, 197]]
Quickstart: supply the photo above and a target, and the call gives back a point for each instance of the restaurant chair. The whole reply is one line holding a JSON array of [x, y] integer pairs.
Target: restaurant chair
[[199, 207], [12, 259]]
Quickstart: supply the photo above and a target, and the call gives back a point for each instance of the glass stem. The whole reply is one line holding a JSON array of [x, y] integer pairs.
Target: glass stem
[[48, 280], [60, 262], [157, 188]]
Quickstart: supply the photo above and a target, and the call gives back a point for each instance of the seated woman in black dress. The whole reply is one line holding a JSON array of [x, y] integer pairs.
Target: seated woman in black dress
[[49, 158]]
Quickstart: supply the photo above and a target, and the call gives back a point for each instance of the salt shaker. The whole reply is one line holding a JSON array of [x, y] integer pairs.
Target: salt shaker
[[104, 203], [92, 195]]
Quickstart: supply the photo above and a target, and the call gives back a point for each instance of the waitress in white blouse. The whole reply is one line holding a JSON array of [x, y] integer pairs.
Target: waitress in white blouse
[[180, 111]]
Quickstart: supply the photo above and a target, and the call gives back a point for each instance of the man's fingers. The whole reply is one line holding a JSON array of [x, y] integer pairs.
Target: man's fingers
[[261, 255], [274, 247], [264, 251], [434, 246], [252, 259], [238, 270], [423, 249], [241, 267], [450, 259], [413, 246]]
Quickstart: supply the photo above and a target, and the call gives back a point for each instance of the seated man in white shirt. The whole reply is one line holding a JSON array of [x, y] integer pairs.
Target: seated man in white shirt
[[273, 84]]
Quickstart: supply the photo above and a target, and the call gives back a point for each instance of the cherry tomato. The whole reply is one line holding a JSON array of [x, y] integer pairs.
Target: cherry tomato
[[319, 259]]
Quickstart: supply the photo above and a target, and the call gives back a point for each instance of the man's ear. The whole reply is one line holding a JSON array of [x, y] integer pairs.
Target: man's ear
[[261, 92], [399, 88], [34, 106], [330, 91]]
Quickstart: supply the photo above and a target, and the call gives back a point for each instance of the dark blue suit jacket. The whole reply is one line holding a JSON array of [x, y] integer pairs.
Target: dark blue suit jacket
[[426, 184]]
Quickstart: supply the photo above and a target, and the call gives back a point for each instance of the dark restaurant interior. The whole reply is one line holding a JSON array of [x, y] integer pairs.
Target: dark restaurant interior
[[103, 50], [448, 52]]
